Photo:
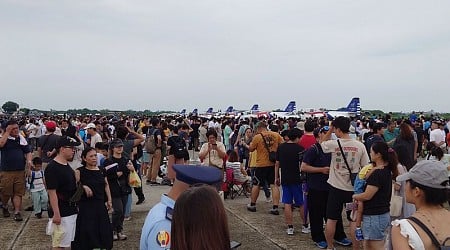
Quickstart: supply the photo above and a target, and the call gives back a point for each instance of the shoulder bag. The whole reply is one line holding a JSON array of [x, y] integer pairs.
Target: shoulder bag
[[272, 154], [352, 175]]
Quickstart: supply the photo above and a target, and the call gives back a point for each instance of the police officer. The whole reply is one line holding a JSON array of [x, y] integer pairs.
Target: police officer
[[156, 231]]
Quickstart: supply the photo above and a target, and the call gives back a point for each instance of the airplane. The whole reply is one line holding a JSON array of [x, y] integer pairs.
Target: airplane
[[353, 109], [254, 112], [208, 114], [229, 112], [289, 112]]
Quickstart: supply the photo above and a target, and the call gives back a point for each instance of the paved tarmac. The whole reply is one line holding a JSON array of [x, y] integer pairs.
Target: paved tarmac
[[259, 230]]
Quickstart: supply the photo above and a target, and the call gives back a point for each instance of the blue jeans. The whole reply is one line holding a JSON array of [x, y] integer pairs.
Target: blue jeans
[[40, 201], [127, 212]]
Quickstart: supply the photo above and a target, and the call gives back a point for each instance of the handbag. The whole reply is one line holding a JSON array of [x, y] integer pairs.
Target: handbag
[[272, 154], [395, 209], [134, 180], [77, 195], [352, 175]]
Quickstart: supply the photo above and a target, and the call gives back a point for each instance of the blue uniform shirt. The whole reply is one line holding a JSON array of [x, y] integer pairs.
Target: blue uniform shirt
[[156, 231]]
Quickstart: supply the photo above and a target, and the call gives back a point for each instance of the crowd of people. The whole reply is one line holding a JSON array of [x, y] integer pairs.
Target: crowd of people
[[78, 170]]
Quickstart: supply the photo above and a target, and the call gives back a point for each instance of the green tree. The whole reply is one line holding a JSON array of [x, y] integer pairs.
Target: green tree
[[10, 107]]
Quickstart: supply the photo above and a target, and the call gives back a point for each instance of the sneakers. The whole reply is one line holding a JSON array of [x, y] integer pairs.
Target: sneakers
[[359, 234], [140, 201], [274, 211], [251, 208], [290, 231], [29, 209], [344, 242], [18, 217], [127, 218], [322, 244], [306, 230], [268, 200], [121, 236], [38, 215], [115, 237], [6, 212]]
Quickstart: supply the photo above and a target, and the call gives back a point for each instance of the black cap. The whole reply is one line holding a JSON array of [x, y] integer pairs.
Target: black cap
[[66, 141], [115, 143], [194, 174]]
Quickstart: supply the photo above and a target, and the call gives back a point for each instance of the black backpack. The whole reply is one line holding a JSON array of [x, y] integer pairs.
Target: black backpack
[[179, 148]]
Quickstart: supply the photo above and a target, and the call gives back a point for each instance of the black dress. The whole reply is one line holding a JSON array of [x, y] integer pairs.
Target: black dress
[[93, 228]]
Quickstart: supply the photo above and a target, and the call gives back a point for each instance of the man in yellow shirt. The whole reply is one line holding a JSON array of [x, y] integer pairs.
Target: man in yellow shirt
[[263, 142]]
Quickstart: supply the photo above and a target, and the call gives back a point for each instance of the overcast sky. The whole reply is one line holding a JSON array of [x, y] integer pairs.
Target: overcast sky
[[170, 55]]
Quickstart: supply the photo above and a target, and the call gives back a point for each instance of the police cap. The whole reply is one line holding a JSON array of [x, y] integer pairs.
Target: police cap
[[193, 174]]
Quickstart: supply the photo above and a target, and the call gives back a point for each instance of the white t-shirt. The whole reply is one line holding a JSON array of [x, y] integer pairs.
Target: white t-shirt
[[437, 136], [38, 181], [357, 158], [213, 155], [32, 129], [94, 139]]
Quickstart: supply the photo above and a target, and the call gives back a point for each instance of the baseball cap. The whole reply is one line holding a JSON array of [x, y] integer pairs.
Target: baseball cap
[[115, 143], [90, 125], [49, 125], [66, 141], [196, 174], [301, 125], [429, 173]]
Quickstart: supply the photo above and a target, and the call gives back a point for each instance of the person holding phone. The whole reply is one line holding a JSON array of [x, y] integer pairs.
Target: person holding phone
[[213, 152]]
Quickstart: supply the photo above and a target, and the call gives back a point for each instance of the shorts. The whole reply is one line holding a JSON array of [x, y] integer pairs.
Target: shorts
[[12, 183], [292, 194], [336, 201], [145, 157], [68, 225], [375, 227], [264, 174]]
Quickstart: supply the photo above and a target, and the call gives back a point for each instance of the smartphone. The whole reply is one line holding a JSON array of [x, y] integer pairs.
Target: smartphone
[[351, 206]]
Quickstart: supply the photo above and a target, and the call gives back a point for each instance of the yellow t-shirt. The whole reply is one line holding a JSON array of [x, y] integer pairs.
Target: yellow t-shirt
[[363, 172], [252, 162], [274, 139]]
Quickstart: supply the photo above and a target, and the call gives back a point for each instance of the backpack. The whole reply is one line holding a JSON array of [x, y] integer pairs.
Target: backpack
[[33, 177], [179, 148], [301, 154], [150, 142]]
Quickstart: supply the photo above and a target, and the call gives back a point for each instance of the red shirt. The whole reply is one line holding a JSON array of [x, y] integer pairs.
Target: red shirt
[[306, 141]]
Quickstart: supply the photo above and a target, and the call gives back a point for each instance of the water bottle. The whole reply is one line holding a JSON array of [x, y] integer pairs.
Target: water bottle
[[359, 234]]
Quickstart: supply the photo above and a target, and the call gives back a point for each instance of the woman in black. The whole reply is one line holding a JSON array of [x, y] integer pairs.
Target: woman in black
[[117, 169], [377, 195], [93, 228]]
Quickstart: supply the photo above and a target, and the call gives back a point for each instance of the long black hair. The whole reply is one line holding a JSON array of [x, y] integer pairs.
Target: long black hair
[[388, 155]]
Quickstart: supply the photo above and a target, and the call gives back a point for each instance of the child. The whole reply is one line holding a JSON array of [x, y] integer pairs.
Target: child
[[37, 188], [239, 172], [102, 152], [357, 211]]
